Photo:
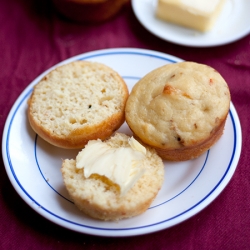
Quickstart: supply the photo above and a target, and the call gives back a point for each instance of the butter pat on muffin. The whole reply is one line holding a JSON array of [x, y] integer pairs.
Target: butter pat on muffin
[[200, 15], [123, 165], [114, 179], [179, 109]]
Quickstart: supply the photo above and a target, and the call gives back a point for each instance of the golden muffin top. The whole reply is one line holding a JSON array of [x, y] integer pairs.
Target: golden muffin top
[[177, 105]]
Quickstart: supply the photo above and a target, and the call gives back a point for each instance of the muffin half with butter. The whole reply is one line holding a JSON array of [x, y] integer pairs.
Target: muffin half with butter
[[179, 109], [115, 179]]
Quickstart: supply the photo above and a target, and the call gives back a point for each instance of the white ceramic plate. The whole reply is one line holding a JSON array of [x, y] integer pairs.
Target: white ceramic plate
[[232, 24], [33, 166]]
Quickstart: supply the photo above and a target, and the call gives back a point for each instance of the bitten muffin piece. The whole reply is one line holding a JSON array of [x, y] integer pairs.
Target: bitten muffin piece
[[78, 102], [179, 109], [99, 197]]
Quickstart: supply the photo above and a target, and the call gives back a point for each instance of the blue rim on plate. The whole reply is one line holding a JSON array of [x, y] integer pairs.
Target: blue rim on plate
[[134, 228]]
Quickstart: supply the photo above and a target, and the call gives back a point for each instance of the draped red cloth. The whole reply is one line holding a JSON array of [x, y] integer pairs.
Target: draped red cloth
[[33, 37]]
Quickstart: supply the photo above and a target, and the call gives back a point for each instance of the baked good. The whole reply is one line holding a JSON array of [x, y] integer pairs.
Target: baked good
[[89, 10], [99, 198], [179, 109], [198, 15], [78, 102]]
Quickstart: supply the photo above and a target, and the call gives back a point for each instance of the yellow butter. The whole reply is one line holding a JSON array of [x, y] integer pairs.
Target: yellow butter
[[123, 165], [200, 15]]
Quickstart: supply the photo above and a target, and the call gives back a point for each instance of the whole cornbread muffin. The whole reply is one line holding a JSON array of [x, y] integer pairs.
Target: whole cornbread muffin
[[179, 109], [78, 102], [113, 181], [89, 10]]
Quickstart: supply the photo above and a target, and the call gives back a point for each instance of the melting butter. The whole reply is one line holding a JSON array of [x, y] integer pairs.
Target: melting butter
[[123, 165]]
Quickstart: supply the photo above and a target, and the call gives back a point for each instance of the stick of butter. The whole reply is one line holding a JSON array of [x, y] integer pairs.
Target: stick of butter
[[200, 15], [122, 166]]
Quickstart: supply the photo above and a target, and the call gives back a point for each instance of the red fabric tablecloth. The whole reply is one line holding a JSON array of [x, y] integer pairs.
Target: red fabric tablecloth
[[32, 39]]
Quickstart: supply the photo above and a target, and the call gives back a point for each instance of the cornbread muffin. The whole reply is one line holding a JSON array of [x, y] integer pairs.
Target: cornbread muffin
[[77, 102], [89, 10], [179, 109], [100, 199]]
